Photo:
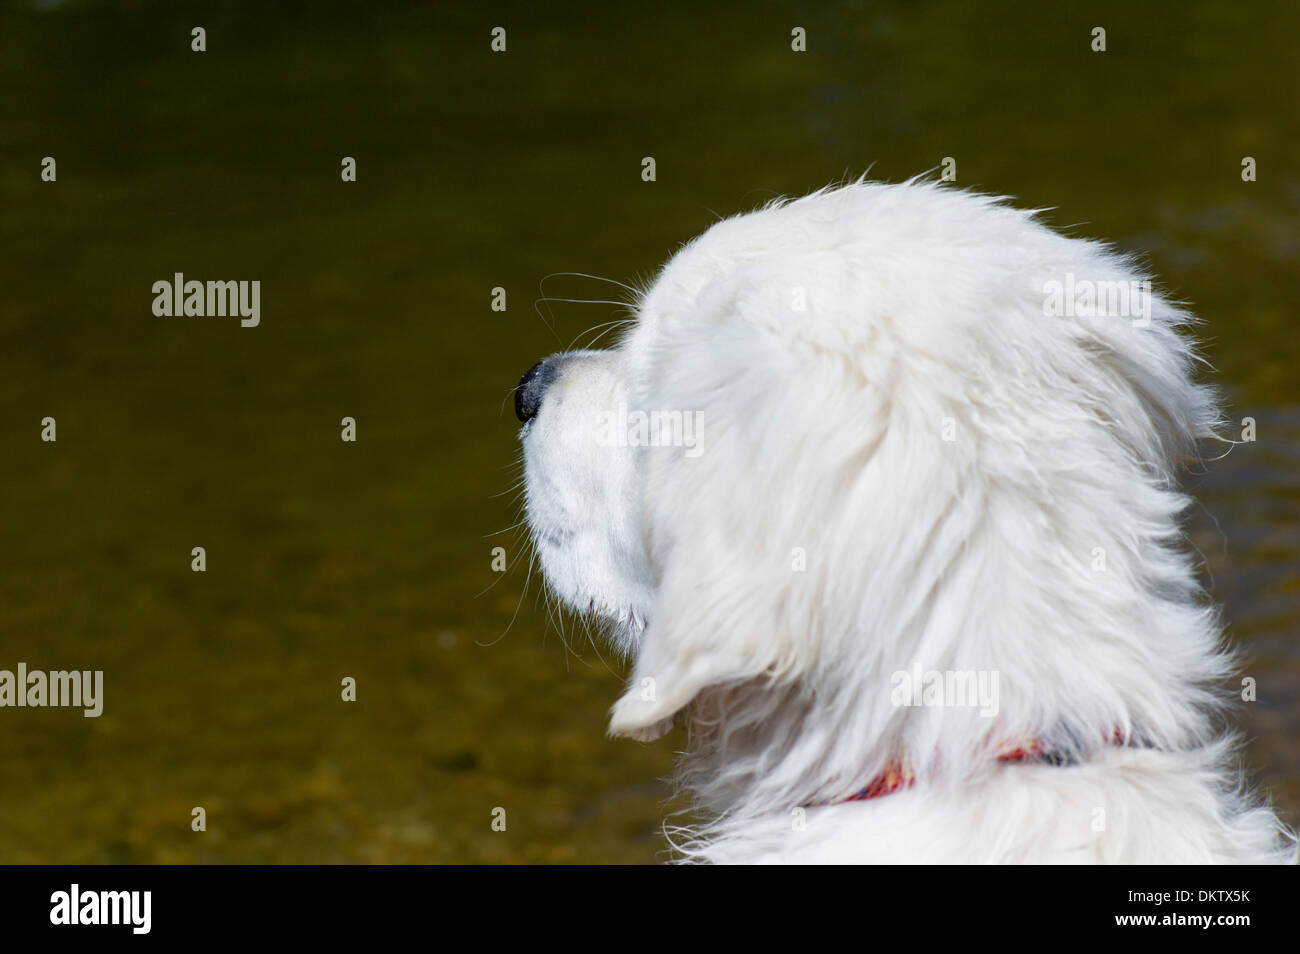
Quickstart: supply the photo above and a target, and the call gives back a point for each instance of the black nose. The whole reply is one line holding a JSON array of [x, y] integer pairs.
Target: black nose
[[528, 395]]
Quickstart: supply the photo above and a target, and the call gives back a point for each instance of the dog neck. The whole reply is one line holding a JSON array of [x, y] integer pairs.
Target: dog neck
[[899, 774]]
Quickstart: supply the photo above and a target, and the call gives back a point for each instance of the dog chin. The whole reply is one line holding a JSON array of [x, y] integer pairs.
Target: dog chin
[[623, 624], [562, 557]]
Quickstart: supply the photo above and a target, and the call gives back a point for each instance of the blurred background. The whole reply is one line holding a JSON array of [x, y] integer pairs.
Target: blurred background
[[476, 170]]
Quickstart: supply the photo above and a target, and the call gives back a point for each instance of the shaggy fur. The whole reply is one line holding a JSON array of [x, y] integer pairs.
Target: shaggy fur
[[907, 463]]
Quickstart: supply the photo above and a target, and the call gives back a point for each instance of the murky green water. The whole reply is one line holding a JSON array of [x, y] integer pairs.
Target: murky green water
[[475, 170]]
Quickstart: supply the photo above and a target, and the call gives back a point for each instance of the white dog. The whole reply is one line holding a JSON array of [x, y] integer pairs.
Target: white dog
[[879, 495]]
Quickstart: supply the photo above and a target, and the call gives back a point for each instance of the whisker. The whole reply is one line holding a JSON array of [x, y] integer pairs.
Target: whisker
[[510, 393], [608, 326], [509, 566], [518, 605], [587, 301], [517, 485], [598, 278], [549, 323]]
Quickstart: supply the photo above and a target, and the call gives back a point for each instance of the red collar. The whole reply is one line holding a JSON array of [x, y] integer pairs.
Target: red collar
[[899, 773]]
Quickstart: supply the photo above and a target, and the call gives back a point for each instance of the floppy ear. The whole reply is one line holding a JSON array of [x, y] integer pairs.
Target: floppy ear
[[721, 528], [711, 625], [726, 523]]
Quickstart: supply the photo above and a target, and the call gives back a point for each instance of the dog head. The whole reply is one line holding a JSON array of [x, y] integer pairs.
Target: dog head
[[873, 430]]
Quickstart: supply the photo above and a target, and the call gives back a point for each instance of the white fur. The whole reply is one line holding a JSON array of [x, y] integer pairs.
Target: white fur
[[830, 344]]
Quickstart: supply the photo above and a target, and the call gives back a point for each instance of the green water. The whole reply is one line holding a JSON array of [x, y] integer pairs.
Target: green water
[[373, 559]]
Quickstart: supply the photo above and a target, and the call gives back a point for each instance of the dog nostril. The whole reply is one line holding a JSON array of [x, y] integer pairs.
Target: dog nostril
[[528, 394]]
